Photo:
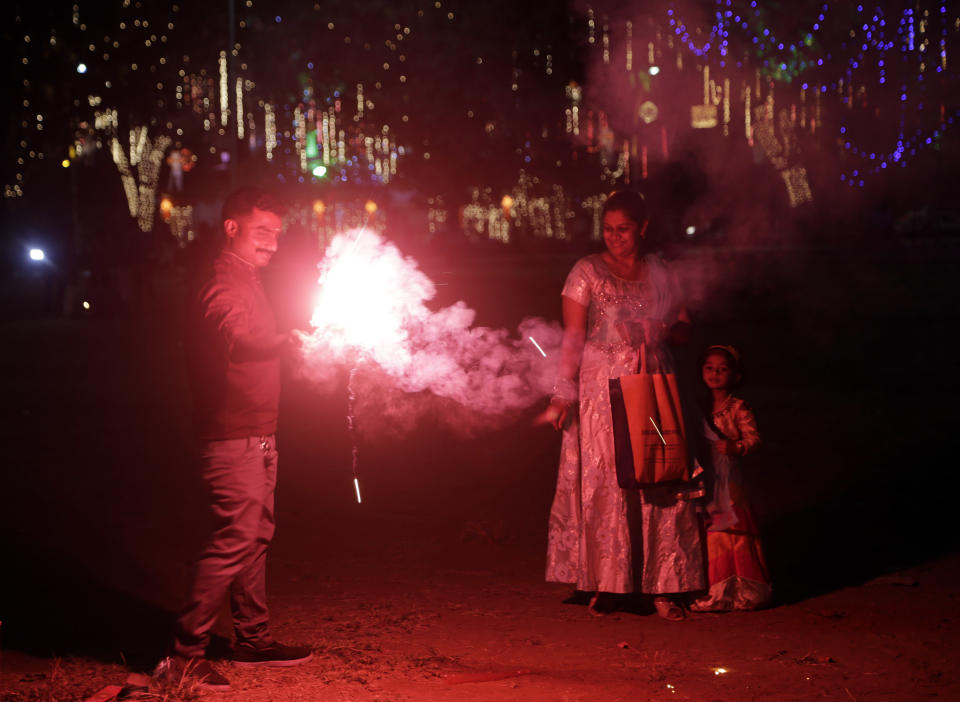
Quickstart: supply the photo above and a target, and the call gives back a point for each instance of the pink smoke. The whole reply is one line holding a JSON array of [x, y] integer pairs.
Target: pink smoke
[[371, 312]]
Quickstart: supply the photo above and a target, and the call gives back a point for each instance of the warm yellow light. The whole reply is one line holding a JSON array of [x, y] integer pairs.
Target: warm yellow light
[[166, 205], [370, 207], [507, 202], [65, 163], [719, 671], [86, 305], [319, 208]]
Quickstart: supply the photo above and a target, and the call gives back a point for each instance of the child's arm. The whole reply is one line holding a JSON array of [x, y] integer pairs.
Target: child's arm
[[746, 423]]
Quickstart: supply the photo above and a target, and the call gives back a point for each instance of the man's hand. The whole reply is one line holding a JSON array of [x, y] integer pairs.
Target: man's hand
[[293, 344]]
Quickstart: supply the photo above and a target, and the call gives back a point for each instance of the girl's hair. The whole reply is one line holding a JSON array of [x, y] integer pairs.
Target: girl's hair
[[733, 360], [629, 202]]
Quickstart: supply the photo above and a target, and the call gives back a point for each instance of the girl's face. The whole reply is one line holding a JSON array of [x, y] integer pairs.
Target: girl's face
[[717, 373], [621, 234]]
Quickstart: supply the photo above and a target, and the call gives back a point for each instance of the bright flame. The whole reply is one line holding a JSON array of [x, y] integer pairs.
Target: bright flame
[[362, 304], [319, 208], [371, 307], [370, 207], [719, 671], [86, 305]]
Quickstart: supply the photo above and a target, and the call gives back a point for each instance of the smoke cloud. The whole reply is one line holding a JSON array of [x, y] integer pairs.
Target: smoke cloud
[[372, 313]]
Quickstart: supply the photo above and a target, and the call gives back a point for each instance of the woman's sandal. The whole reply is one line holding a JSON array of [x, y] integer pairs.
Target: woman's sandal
[[601, 604], [668, 609]]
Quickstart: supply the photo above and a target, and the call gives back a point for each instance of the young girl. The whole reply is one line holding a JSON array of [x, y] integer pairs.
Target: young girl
[[737, 572]]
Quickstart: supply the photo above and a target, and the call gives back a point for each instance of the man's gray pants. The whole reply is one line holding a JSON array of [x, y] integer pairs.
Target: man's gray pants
[[241, 476]]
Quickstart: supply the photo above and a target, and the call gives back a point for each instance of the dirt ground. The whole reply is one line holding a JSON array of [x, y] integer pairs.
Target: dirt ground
[[432, 588]]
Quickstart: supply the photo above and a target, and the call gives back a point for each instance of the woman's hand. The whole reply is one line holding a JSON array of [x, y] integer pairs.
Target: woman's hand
[[556, 414]]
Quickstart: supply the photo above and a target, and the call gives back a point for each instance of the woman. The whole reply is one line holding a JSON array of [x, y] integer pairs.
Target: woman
[[602, 538]]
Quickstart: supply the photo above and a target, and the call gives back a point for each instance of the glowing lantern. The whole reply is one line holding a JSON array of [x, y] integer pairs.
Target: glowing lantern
[[318, 209], [166, 208], [507, 204], [370, 207]]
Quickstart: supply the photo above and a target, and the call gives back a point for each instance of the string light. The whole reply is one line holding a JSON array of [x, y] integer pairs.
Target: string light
[[239, 94], [921, 42], [923, 45], [270, 130], [145, 156]]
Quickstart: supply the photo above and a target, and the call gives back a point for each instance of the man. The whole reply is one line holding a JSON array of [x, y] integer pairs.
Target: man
[[233, 355]]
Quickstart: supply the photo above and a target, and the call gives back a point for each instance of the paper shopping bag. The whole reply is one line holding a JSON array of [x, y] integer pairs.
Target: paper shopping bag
[[650, 442]]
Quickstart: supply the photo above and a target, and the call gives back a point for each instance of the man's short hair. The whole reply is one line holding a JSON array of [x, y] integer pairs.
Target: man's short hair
[[243, 201]]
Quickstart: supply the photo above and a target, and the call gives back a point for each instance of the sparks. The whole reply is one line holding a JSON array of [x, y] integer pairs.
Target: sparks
[[658, 430], [359, 234], [534, 342], [366, 221], [352, 429]]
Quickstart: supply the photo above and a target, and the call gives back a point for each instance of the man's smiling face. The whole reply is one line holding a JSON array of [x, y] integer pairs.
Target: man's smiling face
[[253, 237]]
